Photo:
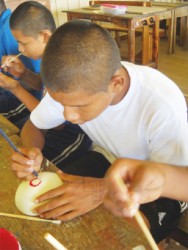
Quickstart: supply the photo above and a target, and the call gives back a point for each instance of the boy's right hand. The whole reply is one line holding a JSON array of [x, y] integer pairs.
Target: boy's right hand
[[15, 68], [132, 182], [23, 164]]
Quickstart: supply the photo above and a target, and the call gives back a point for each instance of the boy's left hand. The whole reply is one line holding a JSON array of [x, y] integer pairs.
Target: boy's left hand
[[78, 195], [7, 82]]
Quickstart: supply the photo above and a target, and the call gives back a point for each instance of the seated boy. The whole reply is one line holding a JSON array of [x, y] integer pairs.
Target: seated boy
[[32, 24], [131, 111], [149, 181], [10, 105]]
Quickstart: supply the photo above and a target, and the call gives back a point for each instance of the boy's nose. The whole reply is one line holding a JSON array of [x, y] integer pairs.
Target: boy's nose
[[20, 48]]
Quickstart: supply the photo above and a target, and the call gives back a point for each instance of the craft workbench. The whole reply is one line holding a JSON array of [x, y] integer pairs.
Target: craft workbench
[[94, 231]]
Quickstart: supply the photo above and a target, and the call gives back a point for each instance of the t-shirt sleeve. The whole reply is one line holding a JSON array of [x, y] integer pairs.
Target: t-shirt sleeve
[[168, 138], [48, 114]]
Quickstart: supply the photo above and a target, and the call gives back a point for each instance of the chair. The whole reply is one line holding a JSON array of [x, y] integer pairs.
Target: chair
[[181, 233]]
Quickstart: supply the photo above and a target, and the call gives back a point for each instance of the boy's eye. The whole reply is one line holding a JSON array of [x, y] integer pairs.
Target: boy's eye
[[23, 44]]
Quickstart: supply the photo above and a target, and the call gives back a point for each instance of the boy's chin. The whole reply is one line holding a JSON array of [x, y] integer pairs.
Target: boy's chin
[[33, 57]]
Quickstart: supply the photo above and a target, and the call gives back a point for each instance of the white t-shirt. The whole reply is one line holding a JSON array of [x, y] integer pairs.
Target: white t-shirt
[[149, 123]]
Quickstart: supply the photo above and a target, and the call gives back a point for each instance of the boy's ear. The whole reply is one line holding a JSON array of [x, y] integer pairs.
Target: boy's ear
[[46, 34], [117, 84]]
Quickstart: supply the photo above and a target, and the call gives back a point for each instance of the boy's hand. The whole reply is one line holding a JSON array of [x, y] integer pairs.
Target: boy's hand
[[15, 68], [7, 82], [130, 183], [77, 196], [24, 164]]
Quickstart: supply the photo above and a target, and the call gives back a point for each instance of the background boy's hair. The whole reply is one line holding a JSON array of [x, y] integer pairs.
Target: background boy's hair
[[80, 55], [2, 6], [31, 18]]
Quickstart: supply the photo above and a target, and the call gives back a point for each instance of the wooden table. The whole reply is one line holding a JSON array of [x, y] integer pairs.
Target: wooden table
[[94, 231], [145, 19], [178, 9], [182, 12]]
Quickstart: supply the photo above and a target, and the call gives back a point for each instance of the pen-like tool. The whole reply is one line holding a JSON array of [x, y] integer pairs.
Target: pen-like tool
[[14, 147], [11, 60]]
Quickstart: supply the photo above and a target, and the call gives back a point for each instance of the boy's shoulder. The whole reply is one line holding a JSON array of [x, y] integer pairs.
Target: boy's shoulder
[[5, 16]]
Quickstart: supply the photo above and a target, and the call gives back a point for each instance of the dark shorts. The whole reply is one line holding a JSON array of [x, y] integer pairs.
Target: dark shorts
[[14, 110], [92, 164], [66, 146], [163, 216]]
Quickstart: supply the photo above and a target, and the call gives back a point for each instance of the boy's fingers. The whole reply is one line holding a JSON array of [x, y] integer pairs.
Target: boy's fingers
[[32, 153], [51, 194], [21, 167], [21, 159]]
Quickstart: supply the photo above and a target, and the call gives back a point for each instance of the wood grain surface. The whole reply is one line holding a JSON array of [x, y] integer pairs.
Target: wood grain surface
[[96, 230]]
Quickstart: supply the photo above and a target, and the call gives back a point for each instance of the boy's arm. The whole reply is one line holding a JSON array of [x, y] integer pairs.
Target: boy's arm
[[15, 88], [17, 69], [31, 79], [31, 136], [176, 183], [25, 97], [133, 182]]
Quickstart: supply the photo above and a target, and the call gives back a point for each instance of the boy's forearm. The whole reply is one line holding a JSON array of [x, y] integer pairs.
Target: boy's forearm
[[32, 79], [25, 97], [31, 136], [176, 183]]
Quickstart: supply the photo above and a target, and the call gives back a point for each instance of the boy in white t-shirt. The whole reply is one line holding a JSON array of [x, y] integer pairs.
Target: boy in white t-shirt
[[130, 111]]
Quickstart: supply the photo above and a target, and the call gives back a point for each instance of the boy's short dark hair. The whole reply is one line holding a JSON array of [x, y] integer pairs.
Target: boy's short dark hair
[[80, 55], [31, 18]]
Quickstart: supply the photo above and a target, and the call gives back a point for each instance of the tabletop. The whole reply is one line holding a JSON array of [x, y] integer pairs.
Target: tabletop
[[131, 13], [95, 230]]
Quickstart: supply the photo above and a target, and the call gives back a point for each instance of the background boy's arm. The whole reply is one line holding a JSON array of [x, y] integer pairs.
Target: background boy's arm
[[31, 79], [15, 88], [17, 69]]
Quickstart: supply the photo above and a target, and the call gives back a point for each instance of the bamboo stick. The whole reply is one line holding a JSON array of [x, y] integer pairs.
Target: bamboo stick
[[25, 217]]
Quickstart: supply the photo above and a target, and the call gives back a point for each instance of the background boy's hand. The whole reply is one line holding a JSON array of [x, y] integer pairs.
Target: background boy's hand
[[15, 68], [77, 196], [24, 164], [130, 183], [7, 82]]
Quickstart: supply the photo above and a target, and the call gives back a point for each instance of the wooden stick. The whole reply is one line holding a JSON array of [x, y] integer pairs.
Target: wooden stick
[[54, 242], [12, 60], [29, 218], [145, 230]]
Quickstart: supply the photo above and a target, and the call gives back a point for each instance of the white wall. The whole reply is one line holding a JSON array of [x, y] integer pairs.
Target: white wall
[[57, 6]]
